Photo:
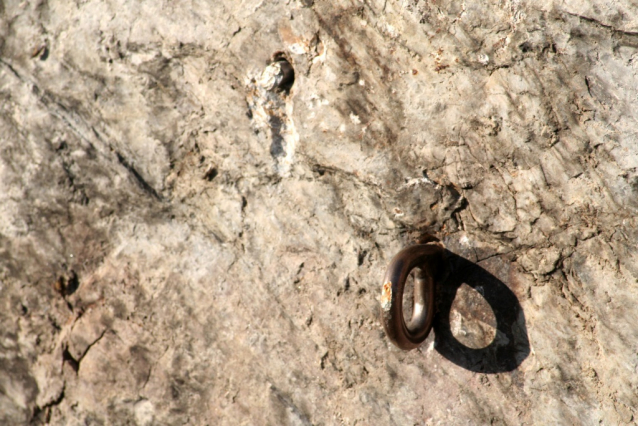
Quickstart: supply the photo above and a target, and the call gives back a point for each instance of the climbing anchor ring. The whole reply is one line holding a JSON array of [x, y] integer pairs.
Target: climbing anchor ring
[[428, 259]]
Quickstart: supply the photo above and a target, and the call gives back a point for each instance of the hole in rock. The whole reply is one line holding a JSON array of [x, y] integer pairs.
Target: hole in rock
[[287, 73], [211, 173]]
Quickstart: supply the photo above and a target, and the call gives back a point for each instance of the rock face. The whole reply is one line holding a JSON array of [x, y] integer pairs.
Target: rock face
[[189, 234]]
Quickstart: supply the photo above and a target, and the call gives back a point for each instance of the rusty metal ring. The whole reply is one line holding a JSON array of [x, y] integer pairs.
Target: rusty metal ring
[[429, 261]]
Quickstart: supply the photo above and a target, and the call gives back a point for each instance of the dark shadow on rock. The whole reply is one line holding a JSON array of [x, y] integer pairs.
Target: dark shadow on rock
[[509, 347]]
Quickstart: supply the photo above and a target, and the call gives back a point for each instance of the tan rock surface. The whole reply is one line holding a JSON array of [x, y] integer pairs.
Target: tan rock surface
[[185, 238]]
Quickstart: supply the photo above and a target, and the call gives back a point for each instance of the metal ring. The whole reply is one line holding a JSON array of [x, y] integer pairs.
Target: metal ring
[[429, 259]]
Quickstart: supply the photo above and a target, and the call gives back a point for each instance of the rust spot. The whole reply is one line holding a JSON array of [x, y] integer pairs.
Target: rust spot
[[386, 295], [440, 67], [499, 44], [287, 35], [415, 71]]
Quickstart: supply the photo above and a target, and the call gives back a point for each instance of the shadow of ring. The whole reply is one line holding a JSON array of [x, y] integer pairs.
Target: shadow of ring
[[510, 345]]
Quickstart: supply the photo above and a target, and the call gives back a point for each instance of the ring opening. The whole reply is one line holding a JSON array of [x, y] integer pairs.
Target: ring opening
[[414, 303]]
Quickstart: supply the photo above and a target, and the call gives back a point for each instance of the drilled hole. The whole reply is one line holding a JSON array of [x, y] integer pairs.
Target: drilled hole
[[287, 73]]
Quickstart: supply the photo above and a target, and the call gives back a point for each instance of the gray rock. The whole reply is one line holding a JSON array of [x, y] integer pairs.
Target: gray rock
[[188, 238]]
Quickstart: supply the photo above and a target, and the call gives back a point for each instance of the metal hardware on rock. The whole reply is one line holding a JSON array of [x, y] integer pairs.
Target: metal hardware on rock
[[429, 259]]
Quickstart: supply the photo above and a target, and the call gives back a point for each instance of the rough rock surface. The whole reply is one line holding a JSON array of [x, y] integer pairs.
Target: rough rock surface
[[185, 238]]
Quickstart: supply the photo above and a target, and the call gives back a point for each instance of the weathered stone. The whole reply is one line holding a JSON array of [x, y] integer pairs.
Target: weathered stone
[[188, 235]]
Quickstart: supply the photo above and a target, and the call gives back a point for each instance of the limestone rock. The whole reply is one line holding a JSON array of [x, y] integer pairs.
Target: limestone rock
[[189, 235]]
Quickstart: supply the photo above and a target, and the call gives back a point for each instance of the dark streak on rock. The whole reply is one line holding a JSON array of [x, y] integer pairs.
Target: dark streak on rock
[[138, 177], [288, 403]]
